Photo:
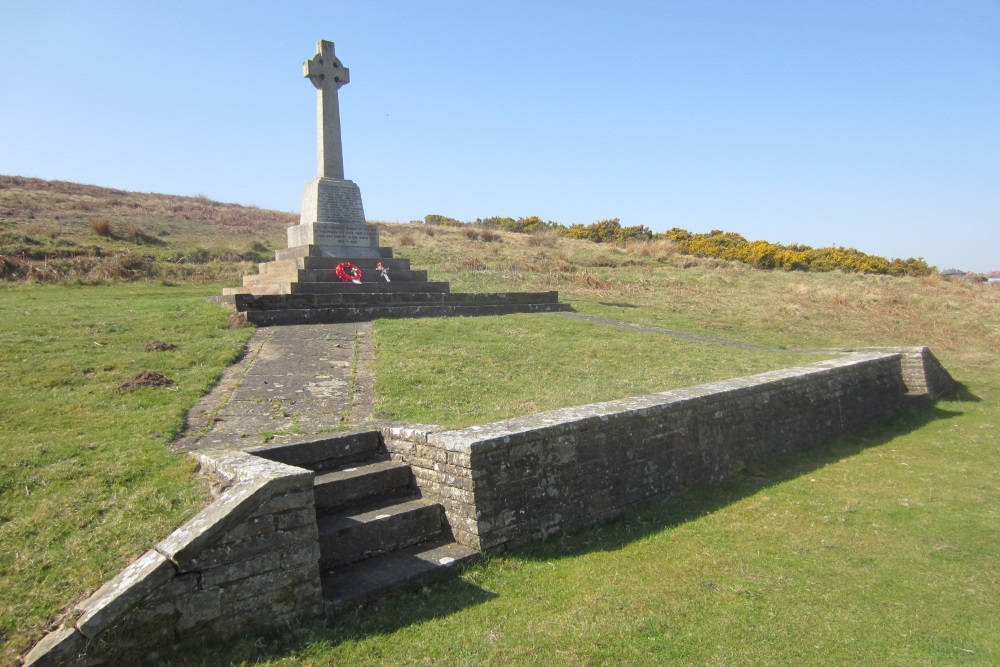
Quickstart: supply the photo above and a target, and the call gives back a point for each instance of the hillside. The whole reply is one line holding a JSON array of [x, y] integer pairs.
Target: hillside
[[876, 549], [54, 230]]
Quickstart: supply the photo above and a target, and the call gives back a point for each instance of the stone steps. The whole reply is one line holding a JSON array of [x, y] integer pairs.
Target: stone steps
[[328, 275], [300, 287], [377, 529], [376, 534], [353, 487], [266, 318], [406, 569], [274, 309], [330, 263], [246, 302], [323, 453]]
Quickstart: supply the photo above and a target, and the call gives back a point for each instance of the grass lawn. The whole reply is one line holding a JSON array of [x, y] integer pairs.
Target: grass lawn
[[463, 371], [879, 548], [87, 481]]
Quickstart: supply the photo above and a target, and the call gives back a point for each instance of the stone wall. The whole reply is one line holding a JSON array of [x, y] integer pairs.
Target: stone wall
[[248, 561], [524, 479]]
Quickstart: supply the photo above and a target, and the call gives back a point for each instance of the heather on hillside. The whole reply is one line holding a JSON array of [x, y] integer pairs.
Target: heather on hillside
[[54, 231]]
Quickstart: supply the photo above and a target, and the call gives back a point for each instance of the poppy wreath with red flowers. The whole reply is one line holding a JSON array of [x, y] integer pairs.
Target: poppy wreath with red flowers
[[347, 272]]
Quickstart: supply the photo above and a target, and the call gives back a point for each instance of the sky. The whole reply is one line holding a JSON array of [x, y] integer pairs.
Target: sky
[[871, 124]]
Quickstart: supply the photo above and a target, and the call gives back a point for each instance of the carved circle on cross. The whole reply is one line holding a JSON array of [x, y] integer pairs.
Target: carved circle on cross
[[324, 68]]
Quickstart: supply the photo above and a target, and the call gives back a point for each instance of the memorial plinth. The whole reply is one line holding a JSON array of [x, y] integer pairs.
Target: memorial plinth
[[333, 220], [301, 285]]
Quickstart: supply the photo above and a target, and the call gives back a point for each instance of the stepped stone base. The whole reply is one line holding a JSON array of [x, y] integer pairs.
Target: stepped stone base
[[300, 287]]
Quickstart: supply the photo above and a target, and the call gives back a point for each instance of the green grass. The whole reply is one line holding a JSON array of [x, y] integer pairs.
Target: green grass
[[87, 480], [879, 548], [464, 371]]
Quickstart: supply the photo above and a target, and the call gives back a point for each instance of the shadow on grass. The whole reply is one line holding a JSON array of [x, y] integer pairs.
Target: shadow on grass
[[702, 500], [614, 304], [382, 617], [455, 594], [961, 393]]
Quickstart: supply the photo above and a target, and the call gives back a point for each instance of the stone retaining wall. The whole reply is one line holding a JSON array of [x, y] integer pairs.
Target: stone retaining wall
[[524, 479], [249, 561]]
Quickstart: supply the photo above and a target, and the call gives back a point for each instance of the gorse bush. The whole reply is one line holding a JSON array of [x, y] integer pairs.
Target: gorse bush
[[442, 220], [608, 231], [767, 255]]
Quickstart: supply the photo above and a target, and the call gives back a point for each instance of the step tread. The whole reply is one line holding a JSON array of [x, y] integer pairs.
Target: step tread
[[380, 511], [376, 577], [354, 313], [360, 484], [355, 470], [329, 452], [356, 535]]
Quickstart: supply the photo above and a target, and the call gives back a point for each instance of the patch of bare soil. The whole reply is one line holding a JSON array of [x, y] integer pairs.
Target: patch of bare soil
[[145, 379]]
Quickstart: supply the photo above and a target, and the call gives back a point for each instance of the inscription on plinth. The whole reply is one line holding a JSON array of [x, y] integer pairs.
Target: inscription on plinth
[[331, 200], [333, 218]]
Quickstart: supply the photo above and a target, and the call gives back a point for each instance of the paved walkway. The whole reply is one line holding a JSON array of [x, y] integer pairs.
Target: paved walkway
[[297, 379]]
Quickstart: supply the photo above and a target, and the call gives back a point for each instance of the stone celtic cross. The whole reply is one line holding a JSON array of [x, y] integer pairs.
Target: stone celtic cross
[[328, 74]]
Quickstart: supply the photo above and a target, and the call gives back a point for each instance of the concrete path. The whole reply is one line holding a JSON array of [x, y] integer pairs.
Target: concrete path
[[293, 380]]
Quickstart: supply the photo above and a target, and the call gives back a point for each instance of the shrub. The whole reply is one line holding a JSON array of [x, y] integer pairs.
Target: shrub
[[608, 231], [472, 263], [442, 220], [489, 236], [470, 233], [766, 255], [102, 227], [407, 239]]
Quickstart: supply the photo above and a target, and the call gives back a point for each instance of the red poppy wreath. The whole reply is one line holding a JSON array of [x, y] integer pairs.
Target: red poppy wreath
[[347, 272]]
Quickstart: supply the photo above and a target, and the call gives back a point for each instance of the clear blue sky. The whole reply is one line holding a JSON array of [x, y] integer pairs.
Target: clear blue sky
[[873, 124]]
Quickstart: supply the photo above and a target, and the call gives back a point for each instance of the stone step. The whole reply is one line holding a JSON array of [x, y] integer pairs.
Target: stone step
[[376, 529], [366, 264], [402, 282], [368, 276], [368, 287], [356, 486], [294, 301], [265, 318], [407, 569], [326, 452], [263, 286], [316, 251], [329, 276]]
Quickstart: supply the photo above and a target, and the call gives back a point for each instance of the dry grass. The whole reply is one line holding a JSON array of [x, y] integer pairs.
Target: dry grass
[[102, 227]]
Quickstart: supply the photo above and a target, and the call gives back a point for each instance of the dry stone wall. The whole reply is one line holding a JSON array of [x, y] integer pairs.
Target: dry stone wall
[[524, 479], [249, 561]]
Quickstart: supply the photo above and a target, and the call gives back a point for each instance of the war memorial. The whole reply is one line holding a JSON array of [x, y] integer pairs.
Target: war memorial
[[309, 526]]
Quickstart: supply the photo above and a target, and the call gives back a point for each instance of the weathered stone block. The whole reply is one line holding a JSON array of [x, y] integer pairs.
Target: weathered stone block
[[286, 501], [57, 648], [229, 572], [198, 608], [250, 547], [305, 516], [112, 600]]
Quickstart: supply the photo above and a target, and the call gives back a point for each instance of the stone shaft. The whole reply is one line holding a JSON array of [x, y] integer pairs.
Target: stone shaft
[[328, 74]]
